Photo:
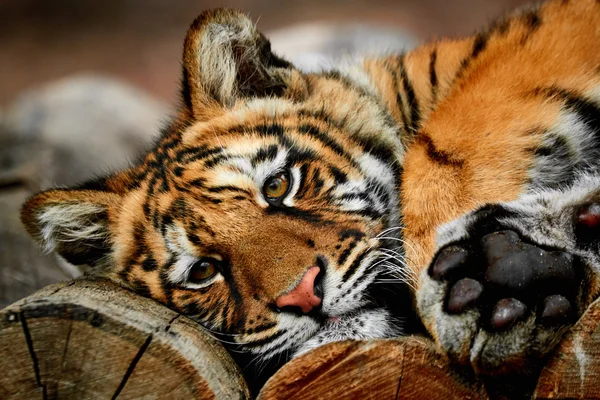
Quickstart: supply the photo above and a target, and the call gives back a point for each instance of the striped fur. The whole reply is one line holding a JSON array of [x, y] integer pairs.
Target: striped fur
[[380, 155]]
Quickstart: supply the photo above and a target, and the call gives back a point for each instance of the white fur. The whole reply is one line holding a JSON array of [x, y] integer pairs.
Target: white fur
[[362, 325], [216, 56], [65, 222], [552, 170]]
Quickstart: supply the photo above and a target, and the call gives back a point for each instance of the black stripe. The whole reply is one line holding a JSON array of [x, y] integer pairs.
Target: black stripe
[[533, 21], [318, 182], [149, 264], [500, 26], [436, 155], [433, 79], [479, 45], [368, 144], [588, 110], [223, 318], [589, 113], [367, 213], [177, 209], [399, 100], [354, 266], [186, 91], [95, 184], [227, 188], [327, 141], [380, 192], [338, 175], [264, 327], [190, 155], [141, 288], [346, 253], [194, 239], [178, 171], [295, 156], [382, 152], [303, 175], [348, 84], [415, 114], [197, 183], [215, 160], [264, 154], [194, 310], [306, 215], [277, 130], [351, 233]]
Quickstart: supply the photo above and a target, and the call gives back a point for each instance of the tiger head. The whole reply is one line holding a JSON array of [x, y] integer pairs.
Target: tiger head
[[268, 207]]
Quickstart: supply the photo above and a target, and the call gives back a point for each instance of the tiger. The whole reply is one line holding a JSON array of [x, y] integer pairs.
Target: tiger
[[452, 190]]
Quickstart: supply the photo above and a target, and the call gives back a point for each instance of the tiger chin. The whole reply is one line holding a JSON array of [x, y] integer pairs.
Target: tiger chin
[[457, 185]]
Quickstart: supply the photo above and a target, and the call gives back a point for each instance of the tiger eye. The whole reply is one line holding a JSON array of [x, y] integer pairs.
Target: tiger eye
[[277, 185], [203, 270]]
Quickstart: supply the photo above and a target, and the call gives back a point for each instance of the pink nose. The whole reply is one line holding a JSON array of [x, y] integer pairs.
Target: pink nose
[[303, 295]]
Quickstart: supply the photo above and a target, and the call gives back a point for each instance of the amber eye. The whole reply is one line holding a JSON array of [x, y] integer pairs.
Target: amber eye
[[203, 270], [277, 186]]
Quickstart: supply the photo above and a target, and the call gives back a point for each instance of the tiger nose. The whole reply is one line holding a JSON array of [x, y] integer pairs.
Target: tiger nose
[[303, 295]]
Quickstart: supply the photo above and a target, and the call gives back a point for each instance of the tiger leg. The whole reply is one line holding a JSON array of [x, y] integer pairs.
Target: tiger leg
[[509, 279]]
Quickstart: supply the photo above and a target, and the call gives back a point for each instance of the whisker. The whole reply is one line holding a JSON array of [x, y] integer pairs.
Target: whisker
[[404, 242], [400, 269], [409, 281], [386, 231]]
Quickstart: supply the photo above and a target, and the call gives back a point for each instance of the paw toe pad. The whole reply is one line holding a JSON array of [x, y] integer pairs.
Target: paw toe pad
[[506, 313], [507, 279], [463, 295]]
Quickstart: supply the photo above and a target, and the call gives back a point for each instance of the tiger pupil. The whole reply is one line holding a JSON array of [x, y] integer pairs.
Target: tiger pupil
[[277, 185], [202, 271]]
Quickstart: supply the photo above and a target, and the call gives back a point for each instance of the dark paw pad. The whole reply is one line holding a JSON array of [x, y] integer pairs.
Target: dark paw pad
[[464, 294], [506, 313], [556, 310], [518, 267], [507, 279]]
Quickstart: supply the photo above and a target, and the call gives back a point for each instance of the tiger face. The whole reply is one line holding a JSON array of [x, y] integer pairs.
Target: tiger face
[[268, 209]]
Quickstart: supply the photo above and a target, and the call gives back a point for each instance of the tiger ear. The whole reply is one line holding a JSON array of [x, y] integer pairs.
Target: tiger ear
[[73, 222], [226, 58]]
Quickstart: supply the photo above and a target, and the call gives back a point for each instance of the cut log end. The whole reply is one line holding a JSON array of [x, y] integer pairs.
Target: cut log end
[[94, 339]]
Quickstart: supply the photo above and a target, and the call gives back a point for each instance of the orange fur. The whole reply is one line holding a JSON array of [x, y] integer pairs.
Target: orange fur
[[461, 118]]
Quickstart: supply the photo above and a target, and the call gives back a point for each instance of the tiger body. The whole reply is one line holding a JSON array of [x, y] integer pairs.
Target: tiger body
[[391, 165]]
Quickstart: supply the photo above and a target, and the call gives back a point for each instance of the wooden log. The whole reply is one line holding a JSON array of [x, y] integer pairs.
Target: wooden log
[[411, 368], [94, 339], [405, 368], [574, 370]]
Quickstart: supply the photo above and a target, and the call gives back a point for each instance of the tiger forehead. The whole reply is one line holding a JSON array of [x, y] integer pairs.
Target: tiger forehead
[[271, 111]]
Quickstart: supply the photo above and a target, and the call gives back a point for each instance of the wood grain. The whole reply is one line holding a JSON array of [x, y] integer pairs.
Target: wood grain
[[94, 339], [574, 370], [406, 368]]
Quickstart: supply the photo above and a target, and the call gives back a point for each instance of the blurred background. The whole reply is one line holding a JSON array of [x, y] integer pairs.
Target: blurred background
[[85, 84]]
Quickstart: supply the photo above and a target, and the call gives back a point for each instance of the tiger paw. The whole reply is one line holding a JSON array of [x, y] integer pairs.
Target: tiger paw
[[499, 302]]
